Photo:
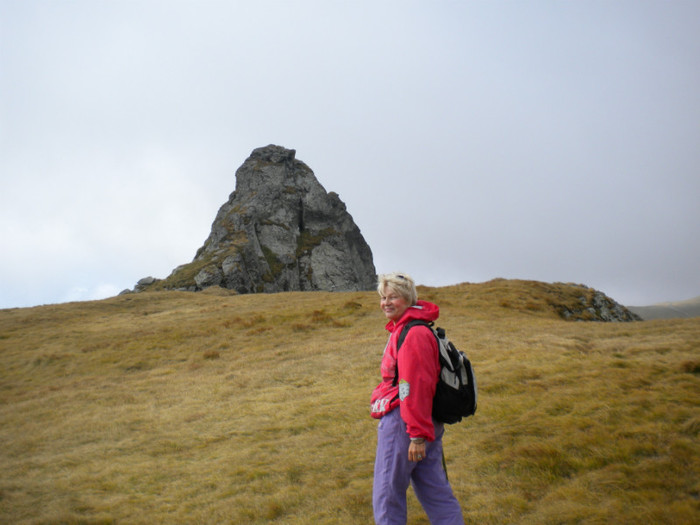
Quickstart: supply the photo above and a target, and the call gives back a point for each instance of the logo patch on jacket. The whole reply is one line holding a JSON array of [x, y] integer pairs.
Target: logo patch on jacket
[[380, 405], [404, 389]]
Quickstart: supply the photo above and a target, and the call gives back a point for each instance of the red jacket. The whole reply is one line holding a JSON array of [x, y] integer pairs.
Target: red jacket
[[419, 369]]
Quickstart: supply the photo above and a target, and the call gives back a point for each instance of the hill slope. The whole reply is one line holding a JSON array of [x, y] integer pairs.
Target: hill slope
[[669, 310], [176, 407]]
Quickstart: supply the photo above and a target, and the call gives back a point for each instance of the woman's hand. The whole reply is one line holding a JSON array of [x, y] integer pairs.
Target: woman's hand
[[416, 451]]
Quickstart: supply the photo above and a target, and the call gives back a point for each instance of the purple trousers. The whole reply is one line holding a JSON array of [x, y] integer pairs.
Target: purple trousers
[[393, 472]]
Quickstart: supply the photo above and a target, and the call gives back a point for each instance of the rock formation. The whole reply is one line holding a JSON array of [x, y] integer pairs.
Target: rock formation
[[279, 231], [594, 305]]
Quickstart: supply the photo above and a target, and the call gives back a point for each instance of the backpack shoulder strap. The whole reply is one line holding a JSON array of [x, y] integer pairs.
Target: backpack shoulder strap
[[402, 337], [404, 331]]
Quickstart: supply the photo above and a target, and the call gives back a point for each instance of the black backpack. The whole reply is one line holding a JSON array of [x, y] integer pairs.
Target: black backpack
[[456, 392]]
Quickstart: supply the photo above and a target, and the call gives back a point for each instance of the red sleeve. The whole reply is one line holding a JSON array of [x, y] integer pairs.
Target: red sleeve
[[419, 367]]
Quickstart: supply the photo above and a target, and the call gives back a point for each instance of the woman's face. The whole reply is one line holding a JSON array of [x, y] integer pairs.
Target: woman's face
[[393, 304]]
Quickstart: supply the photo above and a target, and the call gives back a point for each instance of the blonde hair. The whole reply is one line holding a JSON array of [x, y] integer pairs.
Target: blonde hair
[[401, 283]]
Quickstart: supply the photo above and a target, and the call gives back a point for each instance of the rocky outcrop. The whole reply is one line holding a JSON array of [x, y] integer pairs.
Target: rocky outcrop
[[570, 301], [596, 306], [279, 231]]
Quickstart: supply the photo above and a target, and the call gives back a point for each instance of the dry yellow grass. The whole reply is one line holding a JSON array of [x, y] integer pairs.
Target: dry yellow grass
[[174, 407]]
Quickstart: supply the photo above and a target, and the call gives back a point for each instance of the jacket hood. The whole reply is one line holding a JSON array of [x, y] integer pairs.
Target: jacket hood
[[423, 310]]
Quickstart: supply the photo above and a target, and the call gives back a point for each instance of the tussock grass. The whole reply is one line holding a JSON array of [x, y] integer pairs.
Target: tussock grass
[[174, 407]]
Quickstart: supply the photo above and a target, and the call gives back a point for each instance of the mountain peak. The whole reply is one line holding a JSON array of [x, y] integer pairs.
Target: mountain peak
[[279, 231]]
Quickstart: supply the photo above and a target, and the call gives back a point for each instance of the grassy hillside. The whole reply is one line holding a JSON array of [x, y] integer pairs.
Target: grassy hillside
[[174, 407]]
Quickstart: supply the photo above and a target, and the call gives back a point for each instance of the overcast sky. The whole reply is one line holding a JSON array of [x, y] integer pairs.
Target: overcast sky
[[554, 141]]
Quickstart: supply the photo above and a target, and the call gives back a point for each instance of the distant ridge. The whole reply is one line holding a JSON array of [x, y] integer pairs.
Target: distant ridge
[[668, 310]]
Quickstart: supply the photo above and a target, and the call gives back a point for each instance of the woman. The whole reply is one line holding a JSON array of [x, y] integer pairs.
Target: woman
[[409, 441]]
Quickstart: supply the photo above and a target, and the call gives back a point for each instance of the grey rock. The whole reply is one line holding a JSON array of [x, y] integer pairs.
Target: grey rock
[[599, 307], [279, 231], [142, 284]]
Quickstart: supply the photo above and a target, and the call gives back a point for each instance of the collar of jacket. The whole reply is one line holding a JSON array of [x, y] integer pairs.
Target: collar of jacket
[[423, 310]]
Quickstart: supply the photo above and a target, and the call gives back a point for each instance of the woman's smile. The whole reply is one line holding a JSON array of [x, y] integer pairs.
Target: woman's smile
[[393, 305]]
